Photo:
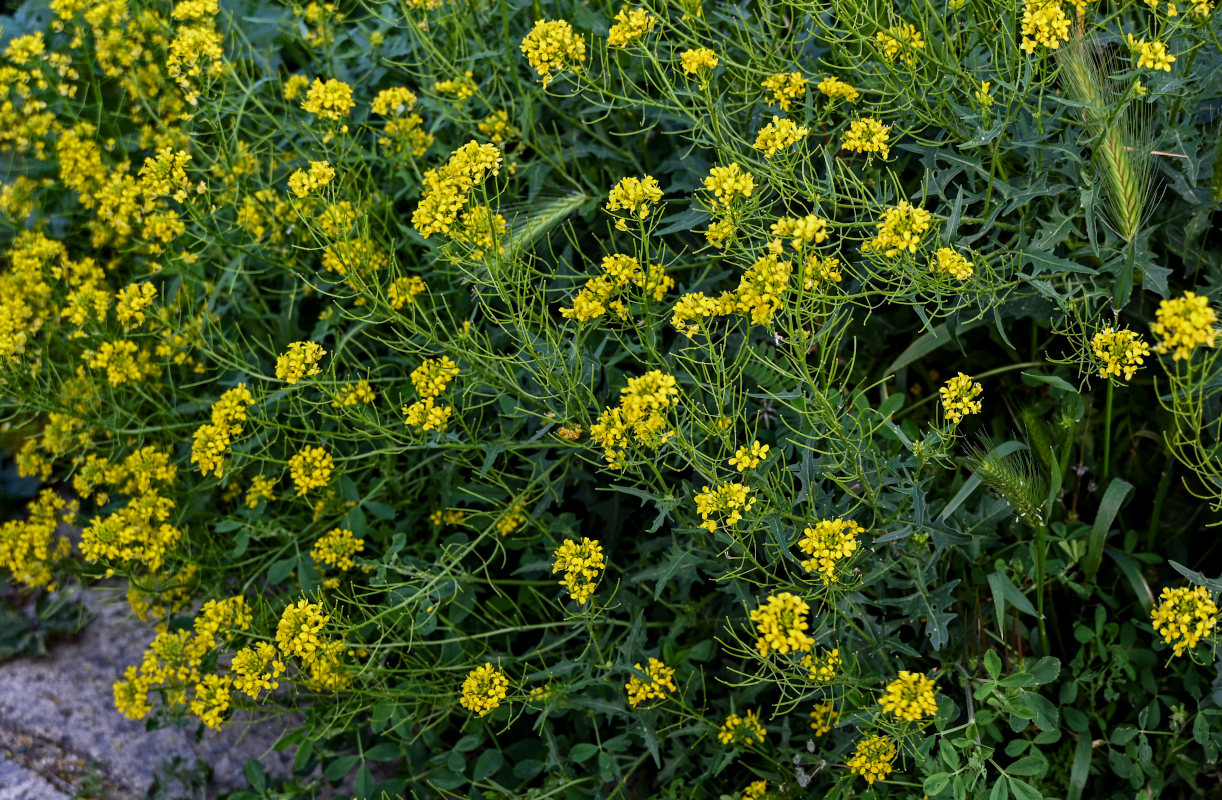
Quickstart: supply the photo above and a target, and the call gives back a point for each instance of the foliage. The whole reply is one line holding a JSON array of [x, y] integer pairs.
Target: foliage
[[573, 401]]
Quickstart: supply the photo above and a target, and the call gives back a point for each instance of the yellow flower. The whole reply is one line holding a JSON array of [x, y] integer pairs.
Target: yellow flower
[[311, 469], [459, 88], [801, 231], [331, 99], [255, 669], [303, 182], [728, 184], [824, 718], [873, 757], [828, 543], [701, 59], [785, 87], [299, 362], [781, 622], [822, 668], [211, 700], [867, 135], [724, 505], [1150, 55], [749, 457], [631, 25], [778, 135], [658, 680], [837, 89], [1184, 616], [902, 41], [743, 730], [636, 196], [483, 689], [393, 102], [299, 629], [901, 229], [949, 262], [1183, 324], [959, 397], [983, 96], [336, 548], [581, 563], [403, 291], [910, 697], [1119, 352], [1044, 24], [553, 46]]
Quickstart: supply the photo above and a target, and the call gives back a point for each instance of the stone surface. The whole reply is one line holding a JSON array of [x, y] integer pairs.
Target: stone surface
[[61, 707]]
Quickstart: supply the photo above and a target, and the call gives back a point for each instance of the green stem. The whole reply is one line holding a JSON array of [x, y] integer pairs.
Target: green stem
[[1105, 473], [1041, 552]]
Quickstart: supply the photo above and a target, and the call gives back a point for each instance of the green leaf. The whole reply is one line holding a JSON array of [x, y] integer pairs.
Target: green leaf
[[1109, 506], [582, 752], [340, 767], [281, 569], [256, 775], [363, 786], [1000, 791], [1028, 766], [1046, 670], [1080, 770], [487, 764], [1023, 791], [935, 783], [992, 663]]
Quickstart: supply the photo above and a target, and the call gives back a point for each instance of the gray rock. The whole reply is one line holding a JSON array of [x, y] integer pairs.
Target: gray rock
[[65, 702]]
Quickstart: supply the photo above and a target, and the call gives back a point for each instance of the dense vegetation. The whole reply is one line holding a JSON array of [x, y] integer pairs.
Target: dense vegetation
[[676, 400]]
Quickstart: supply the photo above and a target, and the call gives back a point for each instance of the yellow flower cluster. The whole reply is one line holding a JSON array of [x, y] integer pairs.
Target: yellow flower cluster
[[829, 542], [553, 46], [607, 291], [636, 196], [459, 88], [910, 697], [823, 718], [497, 127], [659, 679], [303, 182], [872, 758], [744, 730], [211, 442], [1120, 352], [310, 469], [336, 548], [123, 360], [749, 457], [1183, 324], [947, 261], [582, 563], [403, 291], [447, 188], [867, 135], [631, 25], [781, 622], [353, 394], [756, 790], [131, 302], [762, 289], [696, 306], [300, 361], [483, 689], [817, 270], [901, 229], [959, 397], [29, 549], [902, 41], [800, 231], [640, 417], [393, 102], [430, 380], [701, 59], [778, 135], [1045, 24], [822, 668], [837, 89], [299, 629], [1184, 616], [724, 505], [299, 633], [261, 488], [1150, 55], [330, 99], [255, 669], [136, 534], [728, 184], [785, 88]]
